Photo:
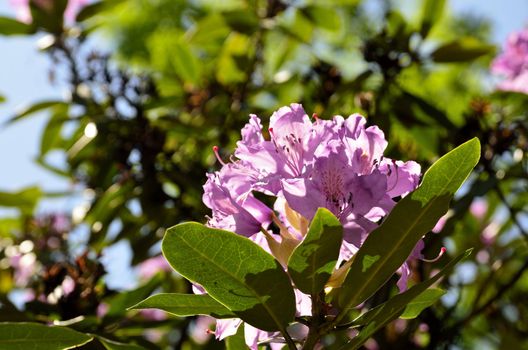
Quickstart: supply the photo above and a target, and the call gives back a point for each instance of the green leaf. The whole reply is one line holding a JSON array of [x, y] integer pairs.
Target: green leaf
[[388, 246], [10, 26], [34, 336], [324, 16], [242, 21], [379, 316], [235, 47], [461, 50], [25, 200], [113, 345], [314, 260], [2, 99], [96, 8], [296, 24], [184, 62], [421, 302], [432, 11], [34, 108], [51, 136], [234, 271], [185, 305]]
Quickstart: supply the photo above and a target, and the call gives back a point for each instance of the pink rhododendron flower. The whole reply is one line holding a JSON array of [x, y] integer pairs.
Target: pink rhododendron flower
[[23, 12], [336, 164], [513, 63]]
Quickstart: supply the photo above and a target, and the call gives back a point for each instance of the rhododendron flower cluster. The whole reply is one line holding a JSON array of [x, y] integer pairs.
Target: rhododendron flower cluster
[[300, 165], [513, 63]]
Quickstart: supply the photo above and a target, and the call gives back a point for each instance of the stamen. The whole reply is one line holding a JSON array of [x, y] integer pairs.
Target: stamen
[[442, 252], [215, 150], [315, 116], [397, 175]]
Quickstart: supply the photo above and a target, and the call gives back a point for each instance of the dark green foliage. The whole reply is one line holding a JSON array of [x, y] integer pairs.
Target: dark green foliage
[[184, 76], [234, 271]]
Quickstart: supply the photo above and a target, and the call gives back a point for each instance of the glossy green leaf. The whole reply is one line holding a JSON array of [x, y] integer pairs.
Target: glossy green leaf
[[185, 305], [35, 336], [233, 270], [387, 247], [382, 314], [114, 345], [421, 302], [461, 50], [432, 10], [10, 26], [314, 260]]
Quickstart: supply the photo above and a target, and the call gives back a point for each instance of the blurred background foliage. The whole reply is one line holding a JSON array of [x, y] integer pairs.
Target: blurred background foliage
[[138, 126]]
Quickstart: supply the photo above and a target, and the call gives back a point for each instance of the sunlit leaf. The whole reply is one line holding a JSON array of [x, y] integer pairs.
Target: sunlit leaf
[[114, 345], [432, 11], [9, 26], [421, 302], [35, 336], [185, 305], [382, 314], [234, 271], [25, 200], [34, 108], [96, 8], [296, 24], [314, 260], [387, 247]]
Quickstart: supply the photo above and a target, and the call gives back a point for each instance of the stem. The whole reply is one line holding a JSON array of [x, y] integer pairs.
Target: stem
[[289, 340], [318, 319]]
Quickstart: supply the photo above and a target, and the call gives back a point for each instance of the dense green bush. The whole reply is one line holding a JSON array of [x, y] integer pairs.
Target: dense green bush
[[183, 76]]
